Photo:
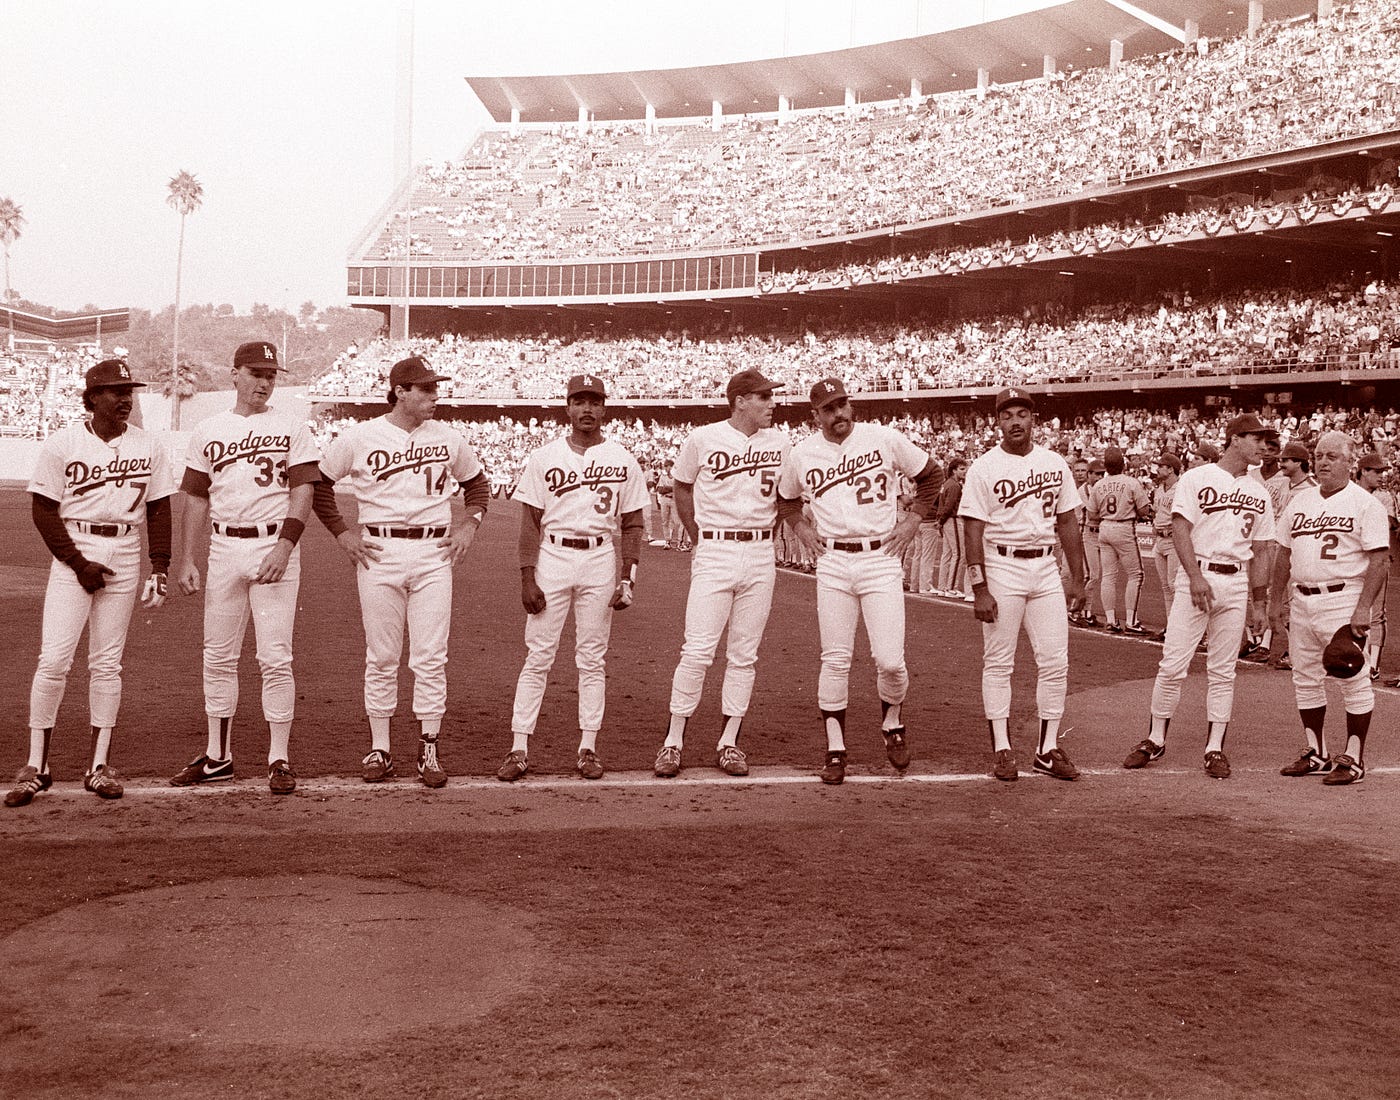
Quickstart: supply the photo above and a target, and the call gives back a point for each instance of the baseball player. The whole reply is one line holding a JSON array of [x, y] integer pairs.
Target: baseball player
[[249, 478], [1370, 475], [1221, 522], [726, 480], [1019, 497], [94, 484], [1330, 567], [1115, 504], [952, 565], [577, 491], [403, 468], [849, 472], [1089, 538], [1291, 478], [1163, 549]]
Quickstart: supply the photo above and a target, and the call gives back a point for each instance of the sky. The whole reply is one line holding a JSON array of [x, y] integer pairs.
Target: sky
[[284, 111]]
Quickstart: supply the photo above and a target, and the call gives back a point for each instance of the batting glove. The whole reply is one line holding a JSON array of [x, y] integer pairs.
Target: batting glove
[[153, 595]]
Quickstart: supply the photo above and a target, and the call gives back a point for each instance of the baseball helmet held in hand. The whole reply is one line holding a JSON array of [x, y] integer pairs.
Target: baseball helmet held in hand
[[1343, 657]]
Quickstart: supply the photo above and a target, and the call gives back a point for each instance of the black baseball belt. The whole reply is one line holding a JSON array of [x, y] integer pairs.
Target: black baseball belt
[[406, 532], [1318, 590], [1025, 551], [106, 530], [252, 531], [1220, 567], [577, 542], [737, 536], [854, 546]]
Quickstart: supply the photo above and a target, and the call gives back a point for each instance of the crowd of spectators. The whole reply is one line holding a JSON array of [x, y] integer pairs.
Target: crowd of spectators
[[1258, 330], [41, 392], [616, 190]]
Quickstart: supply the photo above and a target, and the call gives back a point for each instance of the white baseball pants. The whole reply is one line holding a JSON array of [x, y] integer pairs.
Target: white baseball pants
[[583, 580], [730, 583], [1221, 626], [1312, 622], [106, 613], [1029, 593], [230, 599], [411, 584], [868, 583], [1164, 557]]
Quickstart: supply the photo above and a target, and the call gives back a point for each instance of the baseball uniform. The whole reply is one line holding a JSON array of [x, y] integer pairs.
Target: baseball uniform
[[581, 498], [1114, 506], [91, 497], [1163, 548], [734, 482]]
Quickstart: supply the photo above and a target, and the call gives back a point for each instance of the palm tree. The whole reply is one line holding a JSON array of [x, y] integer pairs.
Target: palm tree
[[11, 218], [185, 195]]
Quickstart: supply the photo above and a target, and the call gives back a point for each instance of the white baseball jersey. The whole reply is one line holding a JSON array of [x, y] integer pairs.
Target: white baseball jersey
[[735, 475], [401, 477], [853, 485], [246, 459], [582, 494], [1331, 537], [1019, 497], [101, 482], [1228, 514]]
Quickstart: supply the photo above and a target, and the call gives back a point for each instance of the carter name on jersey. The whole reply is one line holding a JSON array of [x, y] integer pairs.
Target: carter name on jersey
[[847, 470], [384, 464], [221, 454]]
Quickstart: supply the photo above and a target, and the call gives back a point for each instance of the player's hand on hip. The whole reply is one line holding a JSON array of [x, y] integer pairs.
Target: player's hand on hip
[[274, 564], [1201, 594], [902, 535], [361, 551], [153, 594], [459, 542], [532, 597], [93, 576], [187, 579], [984, 605]]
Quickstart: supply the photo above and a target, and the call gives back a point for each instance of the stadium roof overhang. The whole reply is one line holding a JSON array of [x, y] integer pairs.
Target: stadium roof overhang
[[1077, 34], [85, 326]]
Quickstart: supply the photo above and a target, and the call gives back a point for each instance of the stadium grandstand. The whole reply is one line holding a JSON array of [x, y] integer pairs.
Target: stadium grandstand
[[1146, 213], [43, 357]]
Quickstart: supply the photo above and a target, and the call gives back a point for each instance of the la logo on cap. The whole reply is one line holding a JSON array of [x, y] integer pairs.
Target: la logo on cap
[[267, 352], [828, 387], [588, 380], [1012, 393], [121, 369]]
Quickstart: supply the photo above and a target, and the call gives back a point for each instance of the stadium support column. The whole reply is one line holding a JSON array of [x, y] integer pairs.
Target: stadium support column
[[1256, 16], [1324, 10], [1115, 53], [984, 81], [784, 106], [850, 101], [582, 119], [716, 114], [515, 122], [651, 119], [1192, 31], [1049, 67], [916, 92]]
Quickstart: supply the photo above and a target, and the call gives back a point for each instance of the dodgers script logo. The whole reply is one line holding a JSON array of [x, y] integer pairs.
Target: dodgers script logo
[[559, 481], [1317, 526], [723, 464], [844, 472], [1010, 492], [385, 464], [1236, 500], [82, 478], [222, 454]]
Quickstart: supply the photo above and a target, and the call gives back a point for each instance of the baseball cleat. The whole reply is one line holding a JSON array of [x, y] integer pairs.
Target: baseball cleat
[[378, 766], [589, 766], [429, 770], [1345, 769], [1004, 766], [202, 770], [1146, 751], [834, 770], [1310, 763], [668, 762], [102, 781], [1055, 764], [730, 760], [28, 782], [514, 767], [1218, 765], [1114, 628], [897, 747], [1136, 629], [280, 777]]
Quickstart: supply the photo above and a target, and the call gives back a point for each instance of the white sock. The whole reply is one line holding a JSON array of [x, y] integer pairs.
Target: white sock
[[39, 750], [379, 734], [1158, 734], [220, 742], [891, 720], [429, 728], [1049, 734], [520, 742], [1001, 739], [101, 743], [1216, 741], [675, 733], [588, 739], [279, 741], [730, 736], [835, 736]]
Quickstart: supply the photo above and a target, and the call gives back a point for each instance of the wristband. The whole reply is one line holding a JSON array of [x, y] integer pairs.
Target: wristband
[[291, 530], [975, 576]]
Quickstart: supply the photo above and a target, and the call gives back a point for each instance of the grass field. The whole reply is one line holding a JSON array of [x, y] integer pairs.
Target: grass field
[[1148, 934]]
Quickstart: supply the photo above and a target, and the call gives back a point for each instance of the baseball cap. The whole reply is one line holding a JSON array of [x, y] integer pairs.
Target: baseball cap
[[749, 381], [586, 383], [257, 353], [1295, 451], [1246, 424], [1208, 451], [107, 374], [1171, 462], [1370, 461], [1343, 657], [1096, 466], [827, 391], [1013, 396], [413, 371]]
